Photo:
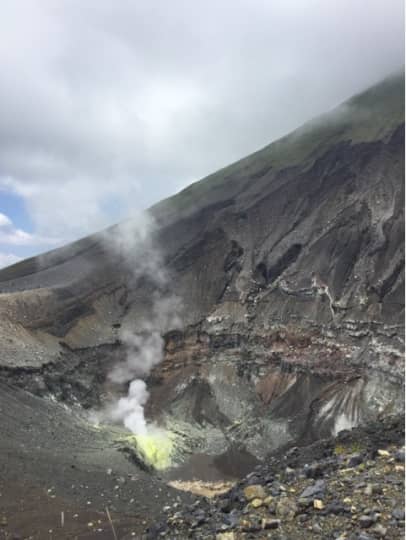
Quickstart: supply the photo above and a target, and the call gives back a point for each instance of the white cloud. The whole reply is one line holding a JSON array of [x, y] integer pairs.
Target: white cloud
[[5, 221], [107, 106], [11, 235]]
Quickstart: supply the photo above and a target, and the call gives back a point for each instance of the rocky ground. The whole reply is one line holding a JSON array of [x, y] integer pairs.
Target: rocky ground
[[351, 487]]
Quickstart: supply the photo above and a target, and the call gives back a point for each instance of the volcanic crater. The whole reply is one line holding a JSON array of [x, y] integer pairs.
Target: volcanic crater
[[289, 269]]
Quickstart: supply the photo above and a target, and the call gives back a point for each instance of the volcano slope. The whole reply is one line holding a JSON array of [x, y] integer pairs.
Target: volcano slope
[[290, 268]]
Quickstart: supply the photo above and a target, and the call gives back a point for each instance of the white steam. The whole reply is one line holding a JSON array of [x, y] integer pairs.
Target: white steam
[[133, 246], [145, 344], [130, 409]]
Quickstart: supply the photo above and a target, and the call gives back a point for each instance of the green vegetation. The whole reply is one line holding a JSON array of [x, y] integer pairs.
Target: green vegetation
[[354, 448]]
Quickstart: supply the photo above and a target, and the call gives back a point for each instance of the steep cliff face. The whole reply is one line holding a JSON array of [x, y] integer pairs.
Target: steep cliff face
[[290, 268]]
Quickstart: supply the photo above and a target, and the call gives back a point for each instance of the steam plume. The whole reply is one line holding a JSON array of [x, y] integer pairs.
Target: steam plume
[[132, 243], [130, 409]]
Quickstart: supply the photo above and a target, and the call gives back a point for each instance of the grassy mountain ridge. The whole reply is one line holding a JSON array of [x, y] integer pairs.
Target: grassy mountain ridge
[[367, 116]]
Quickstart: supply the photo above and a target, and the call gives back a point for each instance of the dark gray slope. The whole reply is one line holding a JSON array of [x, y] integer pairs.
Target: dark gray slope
[[53, 450]]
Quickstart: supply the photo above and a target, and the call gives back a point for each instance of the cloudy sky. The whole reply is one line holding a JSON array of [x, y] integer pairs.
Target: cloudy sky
[[106, 106]]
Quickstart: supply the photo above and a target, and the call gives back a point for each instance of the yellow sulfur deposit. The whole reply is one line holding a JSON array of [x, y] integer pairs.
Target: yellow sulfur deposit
[[155, 448]]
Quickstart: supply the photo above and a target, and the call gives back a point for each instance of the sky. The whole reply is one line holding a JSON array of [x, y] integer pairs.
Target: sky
[[107, 107]]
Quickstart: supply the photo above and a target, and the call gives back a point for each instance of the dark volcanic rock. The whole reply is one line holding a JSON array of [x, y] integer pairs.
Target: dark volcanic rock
[[343, 510], [317, 488]]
